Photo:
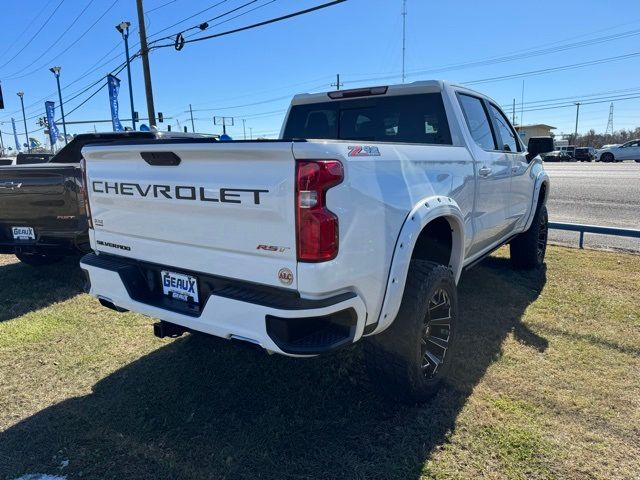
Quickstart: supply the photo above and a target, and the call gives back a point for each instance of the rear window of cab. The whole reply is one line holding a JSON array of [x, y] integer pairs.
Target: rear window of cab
[[399, 119]]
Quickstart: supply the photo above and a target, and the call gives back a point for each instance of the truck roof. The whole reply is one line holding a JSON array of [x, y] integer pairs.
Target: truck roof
[[423, 86]]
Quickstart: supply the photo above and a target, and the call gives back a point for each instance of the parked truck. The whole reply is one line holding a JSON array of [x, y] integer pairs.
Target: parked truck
[[42, 202], [357, 222]]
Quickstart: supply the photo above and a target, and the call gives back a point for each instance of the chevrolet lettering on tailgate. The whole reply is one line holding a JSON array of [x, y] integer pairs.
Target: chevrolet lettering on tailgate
[[179, 192]]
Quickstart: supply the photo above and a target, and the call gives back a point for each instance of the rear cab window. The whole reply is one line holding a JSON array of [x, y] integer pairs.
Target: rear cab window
[[417, 119]]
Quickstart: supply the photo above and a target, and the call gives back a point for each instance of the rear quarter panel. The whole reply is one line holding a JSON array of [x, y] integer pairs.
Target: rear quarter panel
[[372, 204]]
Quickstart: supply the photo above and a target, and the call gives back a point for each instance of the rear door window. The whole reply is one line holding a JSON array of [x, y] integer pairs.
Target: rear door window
[[506, 134], [478, 121], [399, 119]]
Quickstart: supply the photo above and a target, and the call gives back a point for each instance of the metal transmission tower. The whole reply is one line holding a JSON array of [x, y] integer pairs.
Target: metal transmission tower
[[609, 129], [404, 36]]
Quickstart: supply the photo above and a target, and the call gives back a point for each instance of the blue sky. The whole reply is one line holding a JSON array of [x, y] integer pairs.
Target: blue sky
[[252, 74]]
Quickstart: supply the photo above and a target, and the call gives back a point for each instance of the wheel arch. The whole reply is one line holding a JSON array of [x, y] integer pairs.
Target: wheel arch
[[436, 221], [540, 196]]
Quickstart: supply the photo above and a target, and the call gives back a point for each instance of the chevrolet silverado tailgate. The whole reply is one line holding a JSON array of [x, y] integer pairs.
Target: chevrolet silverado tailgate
[[42, 197], [224, 209]]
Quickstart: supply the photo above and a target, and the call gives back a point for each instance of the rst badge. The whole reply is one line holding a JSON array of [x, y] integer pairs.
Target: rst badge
[[363, 151]]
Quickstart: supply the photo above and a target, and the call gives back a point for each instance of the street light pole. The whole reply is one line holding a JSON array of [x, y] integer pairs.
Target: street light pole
[[24, 119], [56, 72], [244, 128], [123, 28]]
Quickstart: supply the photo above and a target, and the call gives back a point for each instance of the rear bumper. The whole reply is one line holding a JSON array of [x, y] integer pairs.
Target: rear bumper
[[275, 319], [48, 242]]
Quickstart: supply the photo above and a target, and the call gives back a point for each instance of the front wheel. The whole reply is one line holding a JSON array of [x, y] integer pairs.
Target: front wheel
[[38, 259], [607, 157], [409, 360], [528, 249]]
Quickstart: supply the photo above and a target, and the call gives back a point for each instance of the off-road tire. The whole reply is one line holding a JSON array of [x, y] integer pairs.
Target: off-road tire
[[396, 357], [37, 259], [528, 249]]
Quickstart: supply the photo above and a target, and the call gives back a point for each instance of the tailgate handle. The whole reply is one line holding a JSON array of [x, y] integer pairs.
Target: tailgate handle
[[161, 159]]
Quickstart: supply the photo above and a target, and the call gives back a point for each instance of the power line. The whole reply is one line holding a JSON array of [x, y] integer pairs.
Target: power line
[[259, 24], [45, 51], [573, 97], [187, 18], [68, 47], [33, 37], [235, 16], [17, 38], [519, 55], [552, 69], [161, 6]]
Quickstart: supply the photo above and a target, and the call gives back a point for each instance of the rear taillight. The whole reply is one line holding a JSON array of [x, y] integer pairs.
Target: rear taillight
[[317, 225], [85, 192]]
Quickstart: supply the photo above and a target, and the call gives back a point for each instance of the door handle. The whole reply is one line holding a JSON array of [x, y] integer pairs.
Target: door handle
[[485, 171]]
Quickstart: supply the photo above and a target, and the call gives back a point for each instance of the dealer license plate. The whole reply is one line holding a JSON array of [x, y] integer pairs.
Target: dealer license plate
[[180, 286], [23, 233]]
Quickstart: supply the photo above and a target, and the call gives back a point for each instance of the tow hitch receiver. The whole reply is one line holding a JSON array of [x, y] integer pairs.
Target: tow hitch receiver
[[166, 329]]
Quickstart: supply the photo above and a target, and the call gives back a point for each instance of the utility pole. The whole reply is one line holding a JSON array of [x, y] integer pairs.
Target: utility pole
[[56, 72], [24, 119], [244, 128], [522, 105], [193, 127], [123, 28], [337, 84], [513, 112], [250, 133], [575, 134], [1, 141], [404, 36], [144, 53]]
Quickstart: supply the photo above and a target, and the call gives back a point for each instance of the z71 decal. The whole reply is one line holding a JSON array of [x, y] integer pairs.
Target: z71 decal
[[363, 151]]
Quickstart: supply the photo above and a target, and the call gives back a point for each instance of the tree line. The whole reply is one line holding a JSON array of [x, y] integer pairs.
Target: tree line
[[597, 140]]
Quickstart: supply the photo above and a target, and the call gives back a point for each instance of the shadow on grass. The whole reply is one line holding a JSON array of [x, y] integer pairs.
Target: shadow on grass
[[203, 408], [24, 288]]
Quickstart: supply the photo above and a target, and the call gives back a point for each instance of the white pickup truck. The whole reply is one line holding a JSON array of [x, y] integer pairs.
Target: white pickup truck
[[357, 223]]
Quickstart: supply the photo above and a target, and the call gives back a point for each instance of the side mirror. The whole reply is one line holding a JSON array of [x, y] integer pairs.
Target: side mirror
[[538, 145]]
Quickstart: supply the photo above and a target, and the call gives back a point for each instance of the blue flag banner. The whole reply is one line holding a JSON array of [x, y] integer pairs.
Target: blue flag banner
[[50, 108], [114, 87], [15, 133]]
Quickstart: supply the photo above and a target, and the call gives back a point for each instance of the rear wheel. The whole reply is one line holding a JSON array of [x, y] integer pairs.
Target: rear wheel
[[528, 249], [409, 361], [38, 259]]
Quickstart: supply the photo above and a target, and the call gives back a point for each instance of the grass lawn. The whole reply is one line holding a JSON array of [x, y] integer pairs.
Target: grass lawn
[[548, 386]]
